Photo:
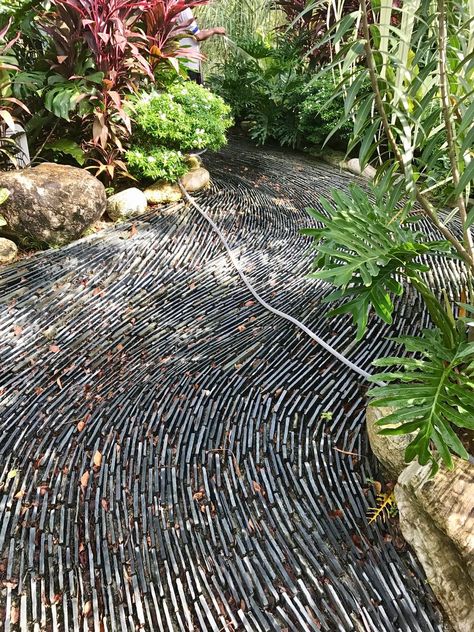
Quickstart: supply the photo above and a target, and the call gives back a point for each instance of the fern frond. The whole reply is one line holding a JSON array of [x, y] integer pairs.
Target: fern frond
[[386, 508]]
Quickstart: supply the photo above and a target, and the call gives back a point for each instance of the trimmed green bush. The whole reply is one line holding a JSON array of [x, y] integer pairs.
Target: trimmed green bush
[[169, 125]]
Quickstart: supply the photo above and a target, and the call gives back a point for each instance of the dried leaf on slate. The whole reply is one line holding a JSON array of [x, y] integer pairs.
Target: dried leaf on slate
[[54, 349], [85, 479], [97, 459], [14, 615]]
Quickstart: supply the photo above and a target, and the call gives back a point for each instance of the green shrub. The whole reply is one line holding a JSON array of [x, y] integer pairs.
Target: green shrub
[[168, 125], [157, 164], [321, 113], [267, 84]]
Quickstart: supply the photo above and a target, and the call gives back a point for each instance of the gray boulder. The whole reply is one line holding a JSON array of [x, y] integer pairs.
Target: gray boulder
[[125, 204], [52, 204], [8, 250]]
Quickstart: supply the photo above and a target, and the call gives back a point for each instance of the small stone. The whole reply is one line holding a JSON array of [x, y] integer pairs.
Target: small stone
[[353, 165], [8, 250], [163, 193], [125, 204], [196, 180]]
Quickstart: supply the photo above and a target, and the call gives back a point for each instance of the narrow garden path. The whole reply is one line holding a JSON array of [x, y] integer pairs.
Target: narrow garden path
[[174, 457]]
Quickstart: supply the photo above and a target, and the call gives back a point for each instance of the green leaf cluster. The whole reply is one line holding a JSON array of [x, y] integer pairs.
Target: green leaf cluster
[[270, 87], [168, 125], [432, 392], [157, 164], [362, 250]]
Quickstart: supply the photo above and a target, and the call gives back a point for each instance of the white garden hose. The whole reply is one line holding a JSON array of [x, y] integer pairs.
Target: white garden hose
[[267, 306]]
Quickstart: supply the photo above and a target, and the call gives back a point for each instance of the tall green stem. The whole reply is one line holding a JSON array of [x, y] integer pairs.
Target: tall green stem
[[448, 122], [466, 255]]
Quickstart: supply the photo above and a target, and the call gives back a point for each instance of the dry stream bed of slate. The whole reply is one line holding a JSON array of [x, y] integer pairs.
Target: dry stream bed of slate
[[172, 456]]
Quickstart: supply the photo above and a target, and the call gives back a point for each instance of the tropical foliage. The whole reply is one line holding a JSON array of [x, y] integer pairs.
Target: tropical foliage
[[9, 105], [422, 123], [272, 89], [82, 61], [170, 125]]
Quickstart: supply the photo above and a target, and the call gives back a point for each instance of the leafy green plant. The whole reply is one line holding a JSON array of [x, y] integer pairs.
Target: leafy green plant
[[9, 105], [320, 114], [432, 393], [157, 164], [420, 107], [270, 87], [169, 124]]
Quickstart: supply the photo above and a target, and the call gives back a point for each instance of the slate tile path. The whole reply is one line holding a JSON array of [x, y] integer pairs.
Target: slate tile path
[[173, 457]]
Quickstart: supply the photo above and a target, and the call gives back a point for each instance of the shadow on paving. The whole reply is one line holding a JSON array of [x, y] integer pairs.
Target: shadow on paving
[[174, 457]]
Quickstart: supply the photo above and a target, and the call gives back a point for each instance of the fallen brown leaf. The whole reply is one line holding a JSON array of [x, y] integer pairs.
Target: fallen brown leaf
[[54, 349], [377, 487], [97, 459], [80, 426], [14, 615], [85, 479], [17, 330], [87, 609]]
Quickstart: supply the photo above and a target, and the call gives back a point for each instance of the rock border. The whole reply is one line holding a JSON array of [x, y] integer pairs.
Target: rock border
[[436, 519]]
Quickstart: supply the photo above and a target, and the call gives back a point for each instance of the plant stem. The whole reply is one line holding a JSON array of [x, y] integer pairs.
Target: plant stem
[[450, 132], [426, 206]]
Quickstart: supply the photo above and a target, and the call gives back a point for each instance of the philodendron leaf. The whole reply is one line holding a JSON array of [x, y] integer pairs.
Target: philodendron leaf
[[432, 396]]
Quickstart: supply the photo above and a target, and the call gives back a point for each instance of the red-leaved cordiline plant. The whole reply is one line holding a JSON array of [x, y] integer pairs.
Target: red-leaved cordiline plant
[[102, 51], [164, 31], [109, 29]]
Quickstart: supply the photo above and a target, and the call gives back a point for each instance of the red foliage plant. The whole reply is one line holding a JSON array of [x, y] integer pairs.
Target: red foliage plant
[[126, 40], [164, 31], [109, 30]]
